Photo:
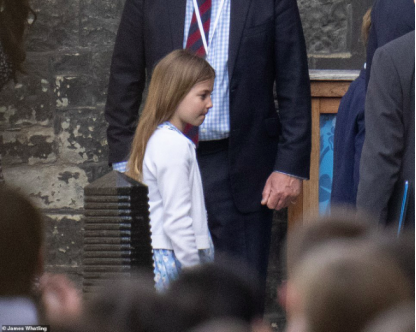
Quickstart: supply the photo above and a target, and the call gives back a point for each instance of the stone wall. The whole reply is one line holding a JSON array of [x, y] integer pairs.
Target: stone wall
[[53, 132]]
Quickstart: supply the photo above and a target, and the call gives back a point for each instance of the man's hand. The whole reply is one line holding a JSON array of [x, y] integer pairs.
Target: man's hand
[[280, 191]]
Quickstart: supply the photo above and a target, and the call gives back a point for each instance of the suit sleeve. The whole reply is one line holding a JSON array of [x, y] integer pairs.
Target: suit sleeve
[[293, 91], [384, 141], [127, 81]]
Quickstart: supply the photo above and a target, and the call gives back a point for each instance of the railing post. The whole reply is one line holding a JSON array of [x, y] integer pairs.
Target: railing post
[[117, 230]]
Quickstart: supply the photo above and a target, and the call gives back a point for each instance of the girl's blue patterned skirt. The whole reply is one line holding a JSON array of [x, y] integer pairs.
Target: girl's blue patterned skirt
[[168, 268]]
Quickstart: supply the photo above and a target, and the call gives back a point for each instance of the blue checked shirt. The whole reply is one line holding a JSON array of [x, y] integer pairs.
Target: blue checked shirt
[[217, 122]]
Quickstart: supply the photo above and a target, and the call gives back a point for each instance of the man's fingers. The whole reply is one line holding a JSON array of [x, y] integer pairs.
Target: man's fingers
[[280, 191], [277, 200], [264, 200], [273, 200], [283, 200], [266, 194], [282, 203]]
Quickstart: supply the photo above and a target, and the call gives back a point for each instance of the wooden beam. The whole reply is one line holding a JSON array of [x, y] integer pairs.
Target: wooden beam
[[329, 89]]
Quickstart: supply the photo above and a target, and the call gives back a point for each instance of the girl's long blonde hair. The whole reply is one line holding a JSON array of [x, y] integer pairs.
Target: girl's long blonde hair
[[172, 79]]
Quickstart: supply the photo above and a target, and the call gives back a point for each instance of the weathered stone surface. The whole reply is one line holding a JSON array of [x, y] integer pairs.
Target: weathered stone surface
[[101, 62], [325, 24], [30, 146], [95, 170], [57, 25], [73, 91], [82, 135], [70, 63], [51, 187], [64, 240], [27, 102], [99, 21]]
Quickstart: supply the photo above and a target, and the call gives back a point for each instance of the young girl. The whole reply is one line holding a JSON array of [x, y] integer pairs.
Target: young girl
[[164, 159]]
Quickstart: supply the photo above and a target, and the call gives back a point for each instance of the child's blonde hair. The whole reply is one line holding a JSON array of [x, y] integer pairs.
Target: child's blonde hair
[[172, 79], [365, 27]]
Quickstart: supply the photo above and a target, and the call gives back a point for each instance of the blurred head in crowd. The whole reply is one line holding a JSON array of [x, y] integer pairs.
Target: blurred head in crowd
[[400, 318], [400, 249], [15, 15], [21, 238], [341, 286], [218, 291], [223, 326], [340, 224], [133, 305]]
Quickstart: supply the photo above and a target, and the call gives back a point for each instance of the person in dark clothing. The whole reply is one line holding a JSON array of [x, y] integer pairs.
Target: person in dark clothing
[[349, 135], [389, 20], [348, 143], [388, 156]]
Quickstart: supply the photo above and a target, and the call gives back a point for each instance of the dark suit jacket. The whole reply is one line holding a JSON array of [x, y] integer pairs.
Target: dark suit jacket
[[390, 19], [388, 157], [266, 46], [348, 143]]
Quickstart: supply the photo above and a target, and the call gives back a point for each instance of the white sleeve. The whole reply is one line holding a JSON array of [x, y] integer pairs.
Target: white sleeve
[[173, 176]]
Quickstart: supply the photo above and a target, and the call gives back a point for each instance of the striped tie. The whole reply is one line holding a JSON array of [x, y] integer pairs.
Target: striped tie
[[195, 44]]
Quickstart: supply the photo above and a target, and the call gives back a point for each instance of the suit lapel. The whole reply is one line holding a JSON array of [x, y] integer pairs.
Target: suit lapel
[[239, 10], [177, 10]]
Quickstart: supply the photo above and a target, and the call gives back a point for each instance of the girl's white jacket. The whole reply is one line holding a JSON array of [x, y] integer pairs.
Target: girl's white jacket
[[178, 216]]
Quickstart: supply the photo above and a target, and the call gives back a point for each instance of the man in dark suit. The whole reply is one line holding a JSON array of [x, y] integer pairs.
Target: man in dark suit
[[254, 160], [388, 157], [389, 20]]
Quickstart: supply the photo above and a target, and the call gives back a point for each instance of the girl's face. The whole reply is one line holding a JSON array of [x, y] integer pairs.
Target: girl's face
[[194, 106]]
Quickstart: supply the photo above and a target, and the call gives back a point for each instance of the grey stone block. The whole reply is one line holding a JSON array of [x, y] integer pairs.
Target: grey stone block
[[325, 25], [57, 25], [82, 135], [101, 62], [50, 187], [73, 91], [95, 171], [64, 240], [99, 22], [27, 101], [34, 145], [70, 63]]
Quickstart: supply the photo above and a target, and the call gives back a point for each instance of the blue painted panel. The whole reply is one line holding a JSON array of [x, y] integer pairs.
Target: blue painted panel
[[326, 161]]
